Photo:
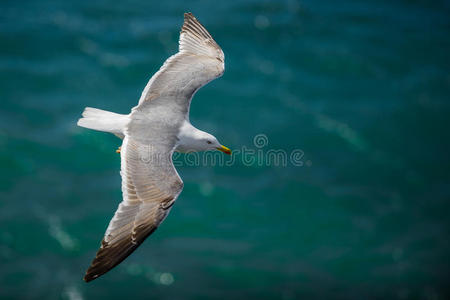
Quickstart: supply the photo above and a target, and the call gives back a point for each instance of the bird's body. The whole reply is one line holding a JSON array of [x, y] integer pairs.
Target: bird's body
[[155, 128]]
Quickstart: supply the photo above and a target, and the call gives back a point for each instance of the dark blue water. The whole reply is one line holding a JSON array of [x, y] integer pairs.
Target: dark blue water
[[359, 88]]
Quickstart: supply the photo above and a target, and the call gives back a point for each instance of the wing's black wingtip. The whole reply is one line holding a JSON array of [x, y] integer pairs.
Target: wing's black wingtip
[[189, 17], [89, 277], [86, 279], [97, 269]]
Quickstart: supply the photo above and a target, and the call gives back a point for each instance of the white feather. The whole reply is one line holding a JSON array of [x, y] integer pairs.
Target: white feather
[[102, 120]]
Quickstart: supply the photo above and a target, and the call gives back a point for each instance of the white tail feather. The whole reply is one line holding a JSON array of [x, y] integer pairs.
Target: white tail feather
[[102, 120]]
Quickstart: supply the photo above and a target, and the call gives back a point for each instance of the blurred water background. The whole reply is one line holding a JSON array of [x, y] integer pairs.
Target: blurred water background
[[361, 87]]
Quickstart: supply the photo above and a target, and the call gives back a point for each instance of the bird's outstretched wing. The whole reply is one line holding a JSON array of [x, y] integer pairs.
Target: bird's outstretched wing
[[150, 186], [198, 61]]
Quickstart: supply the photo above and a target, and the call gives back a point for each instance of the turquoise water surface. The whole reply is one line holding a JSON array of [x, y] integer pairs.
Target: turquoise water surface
[[358, 89]]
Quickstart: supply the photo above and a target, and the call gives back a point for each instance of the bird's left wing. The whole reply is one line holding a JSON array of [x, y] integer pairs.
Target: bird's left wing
[[198, 61], [150, 186]]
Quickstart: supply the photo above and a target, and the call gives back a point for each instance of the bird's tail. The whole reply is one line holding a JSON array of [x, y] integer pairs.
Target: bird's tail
[[103, 120]]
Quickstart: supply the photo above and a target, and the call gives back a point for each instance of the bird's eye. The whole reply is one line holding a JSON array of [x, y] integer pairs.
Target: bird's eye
[[209, 142]]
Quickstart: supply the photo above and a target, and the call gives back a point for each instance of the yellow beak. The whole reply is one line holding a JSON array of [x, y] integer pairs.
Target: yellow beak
[[224, 149]]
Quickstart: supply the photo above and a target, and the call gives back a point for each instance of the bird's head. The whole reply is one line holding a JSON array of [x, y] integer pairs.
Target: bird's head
[[207, 141], [192, 139]]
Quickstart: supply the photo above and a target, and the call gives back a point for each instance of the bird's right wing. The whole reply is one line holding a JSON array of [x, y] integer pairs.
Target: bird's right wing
[[150, 186]]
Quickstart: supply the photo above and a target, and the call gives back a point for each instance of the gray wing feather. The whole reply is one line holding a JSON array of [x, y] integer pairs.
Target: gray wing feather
[[150, 186], [198, 61]]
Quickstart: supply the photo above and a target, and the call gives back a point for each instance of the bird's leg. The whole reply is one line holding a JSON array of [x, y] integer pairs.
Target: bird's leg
[[118, 150]]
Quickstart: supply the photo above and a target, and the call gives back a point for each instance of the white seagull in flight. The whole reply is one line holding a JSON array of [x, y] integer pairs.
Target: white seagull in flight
[[155, 128]]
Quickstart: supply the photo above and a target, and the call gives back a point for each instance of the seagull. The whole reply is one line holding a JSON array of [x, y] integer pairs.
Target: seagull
[[155, 128]]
